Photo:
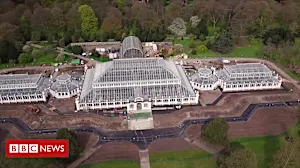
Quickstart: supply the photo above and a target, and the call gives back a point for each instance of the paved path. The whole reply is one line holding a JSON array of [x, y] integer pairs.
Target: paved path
[[144, 159], [85, 156]]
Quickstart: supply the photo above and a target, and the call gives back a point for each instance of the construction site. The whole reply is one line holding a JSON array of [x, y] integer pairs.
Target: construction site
[[268, 109]]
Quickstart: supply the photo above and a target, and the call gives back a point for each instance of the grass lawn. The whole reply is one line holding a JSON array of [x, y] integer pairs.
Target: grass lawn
[[99, 59], [140, 115], [249, 51], [47, 58], [183, 159], [112, 164], [265, 147]]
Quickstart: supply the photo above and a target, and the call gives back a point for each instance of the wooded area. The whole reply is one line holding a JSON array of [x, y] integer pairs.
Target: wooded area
[[88, 20], [217, 25]]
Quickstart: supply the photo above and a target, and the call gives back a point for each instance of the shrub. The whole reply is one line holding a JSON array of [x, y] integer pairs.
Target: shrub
[[193, 52], [76, 49], [192, 45], [202, 49]]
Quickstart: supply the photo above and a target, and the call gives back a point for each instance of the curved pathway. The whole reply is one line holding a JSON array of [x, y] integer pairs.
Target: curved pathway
[[143, 138]]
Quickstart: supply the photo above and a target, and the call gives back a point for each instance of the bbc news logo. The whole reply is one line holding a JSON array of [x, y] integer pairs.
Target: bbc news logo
[[37, 148]]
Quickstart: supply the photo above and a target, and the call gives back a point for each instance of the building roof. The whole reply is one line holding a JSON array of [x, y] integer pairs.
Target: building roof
[[247, 68], [13, 79], [130, 70], [131, 78], [131, 48], [64, 83], [23, 84], [204, 76], [248, 72]]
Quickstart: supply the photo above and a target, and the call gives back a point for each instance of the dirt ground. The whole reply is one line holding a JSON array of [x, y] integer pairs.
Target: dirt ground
[[169, 145], [115, 151], [265, 122], [208, 97], [63, 105], [62, 121], [233, 104]]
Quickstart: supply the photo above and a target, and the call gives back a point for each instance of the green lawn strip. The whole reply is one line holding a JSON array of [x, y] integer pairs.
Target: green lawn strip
[[264, 147], [183, 159], [113, 164], [99, 59], [142, 115]]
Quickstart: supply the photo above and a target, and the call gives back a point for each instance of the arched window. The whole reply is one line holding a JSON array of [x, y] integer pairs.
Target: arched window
[[139, 106]]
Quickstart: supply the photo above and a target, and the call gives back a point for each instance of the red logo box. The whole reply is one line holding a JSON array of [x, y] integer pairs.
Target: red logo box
[[37, 148]]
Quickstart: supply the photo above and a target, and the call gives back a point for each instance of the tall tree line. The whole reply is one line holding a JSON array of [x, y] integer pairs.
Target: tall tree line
[[88, 20]]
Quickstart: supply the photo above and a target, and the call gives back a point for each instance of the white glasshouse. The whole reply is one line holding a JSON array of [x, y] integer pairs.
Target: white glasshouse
[[64, 86], [20, 88], [135, 83], [239, 77]]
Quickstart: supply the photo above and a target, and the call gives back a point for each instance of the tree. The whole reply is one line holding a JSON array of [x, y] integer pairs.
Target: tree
[[36, 54], [112, 26], [223, 43], [214, 11], [60, 57], [72, 16], [200, 30], [61, 42], [178, 27], [57, 19], [41, 18], [215, 132], [77, 49], [278, 37], [287, 155], [25, 58], [239, 158], [9, 32], [74, 148], [25, 28], [89, 21], [8, 51], [26, 49]]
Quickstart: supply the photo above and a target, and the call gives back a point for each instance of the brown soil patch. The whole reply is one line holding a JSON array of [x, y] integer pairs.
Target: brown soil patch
[[208, 97], [65, 121], [193, 132], [233, 104], [87, 140], [63, 105], [8, 131], [169, 145], [115, 151], [265, 122]]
